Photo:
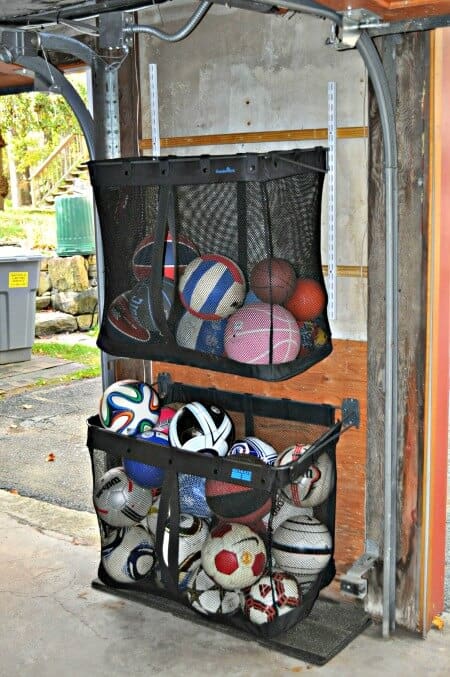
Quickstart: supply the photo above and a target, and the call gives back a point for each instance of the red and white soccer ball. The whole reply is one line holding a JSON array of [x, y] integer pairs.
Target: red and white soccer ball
[[271, 597], [234, 556], [316, 482]]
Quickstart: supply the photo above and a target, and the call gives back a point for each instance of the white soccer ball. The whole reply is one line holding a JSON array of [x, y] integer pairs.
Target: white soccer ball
[[282, 510], [119, 501], [271, 597], [129, 407], [315, 484], [193, 532], [207, 597], [253, 446], [234, 556], [128, 555], [302, 546]]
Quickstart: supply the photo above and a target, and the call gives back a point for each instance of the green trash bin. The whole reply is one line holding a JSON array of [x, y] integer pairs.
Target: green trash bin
[[74, 225], [19, 280]]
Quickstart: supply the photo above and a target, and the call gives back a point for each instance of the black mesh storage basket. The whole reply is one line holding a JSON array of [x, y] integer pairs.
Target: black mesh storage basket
[[215, 261], [257, 526]]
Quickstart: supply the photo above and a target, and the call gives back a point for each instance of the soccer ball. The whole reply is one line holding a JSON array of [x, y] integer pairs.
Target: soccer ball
[[129, 407], [128, 555], [120, 502], [205, 596], [270, 597], [234, 556], [253, 446], [282, 510], [197, 426], [192, 533], [302, 546], [315, 484]]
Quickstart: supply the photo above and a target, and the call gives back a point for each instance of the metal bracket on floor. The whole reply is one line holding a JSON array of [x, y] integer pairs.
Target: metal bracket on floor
[[354, 583]]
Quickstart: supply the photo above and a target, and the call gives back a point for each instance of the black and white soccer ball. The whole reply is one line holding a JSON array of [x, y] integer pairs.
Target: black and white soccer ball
[[128, 555], [207, 597], [197, 426], [119, 501], [270, 597]]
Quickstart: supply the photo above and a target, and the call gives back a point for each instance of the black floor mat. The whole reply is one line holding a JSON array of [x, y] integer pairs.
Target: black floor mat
[[327, 630]]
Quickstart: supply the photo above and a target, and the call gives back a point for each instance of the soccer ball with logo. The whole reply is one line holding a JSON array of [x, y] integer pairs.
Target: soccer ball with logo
[[128, 555], [271, 597], [119, 501], [234, 556]]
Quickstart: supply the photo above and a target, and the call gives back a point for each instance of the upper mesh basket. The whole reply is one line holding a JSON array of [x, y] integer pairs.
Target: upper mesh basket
[[215, 261]]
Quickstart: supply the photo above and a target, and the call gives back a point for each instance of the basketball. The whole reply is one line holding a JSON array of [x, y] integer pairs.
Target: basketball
[[185, 251], [212, 286], [236, 502], [206, 336], [315, 483], [141, 304], [273, 280], [302, 546], [307, 300], [262, 334]]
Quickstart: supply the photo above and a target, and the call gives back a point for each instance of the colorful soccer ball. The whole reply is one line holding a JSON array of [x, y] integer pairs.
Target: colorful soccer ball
[[270, 597], [128, 555], [192, 534], [261, 333], [207, 597], [253, 446], [234, 556], [315, 484], [119, 501], [185, 251], [145, 474], [212, 286], [302, 546], [129, 407], [197, 426]]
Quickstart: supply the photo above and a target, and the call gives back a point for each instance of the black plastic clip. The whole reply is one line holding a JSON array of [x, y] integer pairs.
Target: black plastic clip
[[164, 382]]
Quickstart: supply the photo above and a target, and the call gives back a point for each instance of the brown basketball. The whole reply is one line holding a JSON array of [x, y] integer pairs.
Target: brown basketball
[[273, 280]]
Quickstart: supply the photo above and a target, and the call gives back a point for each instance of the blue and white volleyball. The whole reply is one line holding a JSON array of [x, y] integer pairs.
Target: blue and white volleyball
[[253, 446], [147, 474], [212, 287], [129, 407], [128, 555], [206, 336], [119, 501]]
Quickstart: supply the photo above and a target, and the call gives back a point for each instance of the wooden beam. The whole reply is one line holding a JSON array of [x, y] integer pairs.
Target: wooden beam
[[406, 59], [394, 10], [255, 137]]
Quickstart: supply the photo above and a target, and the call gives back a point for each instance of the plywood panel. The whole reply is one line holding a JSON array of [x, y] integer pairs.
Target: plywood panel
[[394, 10], [342, 374]]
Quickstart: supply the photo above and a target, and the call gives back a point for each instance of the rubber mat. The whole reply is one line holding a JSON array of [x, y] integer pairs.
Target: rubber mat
[[328, 629]]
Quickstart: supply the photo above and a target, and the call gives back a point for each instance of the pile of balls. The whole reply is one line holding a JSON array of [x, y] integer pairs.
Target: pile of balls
[[224, 564], [265, 315]]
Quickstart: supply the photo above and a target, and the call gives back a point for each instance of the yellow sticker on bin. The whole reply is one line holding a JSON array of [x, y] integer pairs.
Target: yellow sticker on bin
[[17, 279]]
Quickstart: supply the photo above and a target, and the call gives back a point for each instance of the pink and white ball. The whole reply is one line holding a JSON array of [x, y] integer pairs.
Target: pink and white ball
[[212, 286], [262, 333]]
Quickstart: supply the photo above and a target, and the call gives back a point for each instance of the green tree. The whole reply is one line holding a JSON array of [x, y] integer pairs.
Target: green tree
[[33, 124]]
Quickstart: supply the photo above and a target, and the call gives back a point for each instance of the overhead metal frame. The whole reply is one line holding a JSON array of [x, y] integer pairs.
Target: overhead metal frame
[[107, 144]]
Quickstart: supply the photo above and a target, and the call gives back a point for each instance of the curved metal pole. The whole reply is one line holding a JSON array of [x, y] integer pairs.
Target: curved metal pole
[[182, 33], [67, 45]]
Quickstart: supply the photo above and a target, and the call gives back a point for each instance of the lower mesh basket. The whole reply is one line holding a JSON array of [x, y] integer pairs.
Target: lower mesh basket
[[245, 539], [215, 261]]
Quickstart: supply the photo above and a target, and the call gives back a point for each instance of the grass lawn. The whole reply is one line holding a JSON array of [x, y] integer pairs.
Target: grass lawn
[[88, 356], [34, 228]]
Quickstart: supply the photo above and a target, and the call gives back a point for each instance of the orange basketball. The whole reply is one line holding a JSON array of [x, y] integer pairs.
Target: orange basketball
[[307, 300]]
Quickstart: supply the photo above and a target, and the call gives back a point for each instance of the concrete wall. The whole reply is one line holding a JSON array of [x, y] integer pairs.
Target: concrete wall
[[241, 71]]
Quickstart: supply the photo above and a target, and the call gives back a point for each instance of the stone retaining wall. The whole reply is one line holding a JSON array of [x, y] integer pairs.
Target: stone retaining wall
[[66, 299]]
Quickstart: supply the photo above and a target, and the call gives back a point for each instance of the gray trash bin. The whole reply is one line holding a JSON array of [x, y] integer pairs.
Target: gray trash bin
[[19, 279]]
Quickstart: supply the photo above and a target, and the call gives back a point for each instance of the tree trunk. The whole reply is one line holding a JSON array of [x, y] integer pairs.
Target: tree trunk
[[13, 180]]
